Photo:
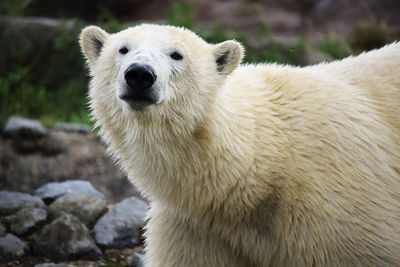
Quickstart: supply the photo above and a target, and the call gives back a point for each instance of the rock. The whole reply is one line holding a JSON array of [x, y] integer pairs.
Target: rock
[[30, 136], [2, 230], [27, 135], [50, 146], [86, 208], [12, 202], [54, 265], [66, 238], [51, 191], [342, 16], [119, 227], [20, 128], [84, 158], [27, 219], [72, 127], [136, 260], [11, 247], [32, 34]]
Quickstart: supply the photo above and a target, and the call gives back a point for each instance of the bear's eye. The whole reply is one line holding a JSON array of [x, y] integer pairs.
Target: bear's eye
[[123, 50], [176, 56]]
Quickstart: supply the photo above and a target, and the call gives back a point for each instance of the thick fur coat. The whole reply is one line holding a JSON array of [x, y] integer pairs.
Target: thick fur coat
[[254, 165]]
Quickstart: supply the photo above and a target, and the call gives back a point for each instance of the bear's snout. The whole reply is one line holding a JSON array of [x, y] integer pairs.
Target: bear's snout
[[139, 89], [140, 77]]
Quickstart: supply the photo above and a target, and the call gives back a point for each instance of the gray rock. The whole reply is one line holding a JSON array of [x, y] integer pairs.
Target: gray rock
[[84, 158], [11, 247], [12, 202], [136, 260], [49, 146], [31, 34], [54, 265], [86, 208], [21, 128], [72, 127], [27, 219], [3, 231], [120, 227], [52, 191], [66, 238]]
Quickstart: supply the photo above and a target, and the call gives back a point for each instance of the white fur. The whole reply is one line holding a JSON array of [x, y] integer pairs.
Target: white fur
[[257, 165]]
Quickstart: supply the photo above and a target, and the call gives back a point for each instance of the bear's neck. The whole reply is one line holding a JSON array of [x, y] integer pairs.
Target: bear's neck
[[195, 170]]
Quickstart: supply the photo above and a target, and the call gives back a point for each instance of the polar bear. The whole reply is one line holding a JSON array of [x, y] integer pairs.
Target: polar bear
[[251, 165]]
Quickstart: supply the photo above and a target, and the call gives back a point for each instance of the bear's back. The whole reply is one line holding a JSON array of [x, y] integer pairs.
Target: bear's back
[[378, 73]]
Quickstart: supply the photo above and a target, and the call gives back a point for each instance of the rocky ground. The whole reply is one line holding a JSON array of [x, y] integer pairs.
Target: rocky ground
[[63, 201], [31, 156]]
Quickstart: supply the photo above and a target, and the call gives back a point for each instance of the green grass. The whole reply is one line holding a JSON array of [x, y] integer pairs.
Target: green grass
[[335, 48], [181, 14], [27, 100]]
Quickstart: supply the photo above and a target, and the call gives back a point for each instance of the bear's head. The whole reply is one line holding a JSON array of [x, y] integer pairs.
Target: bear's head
[[155, 69]]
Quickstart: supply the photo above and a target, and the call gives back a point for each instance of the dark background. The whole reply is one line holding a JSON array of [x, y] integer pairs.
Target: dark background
[[42, 72]]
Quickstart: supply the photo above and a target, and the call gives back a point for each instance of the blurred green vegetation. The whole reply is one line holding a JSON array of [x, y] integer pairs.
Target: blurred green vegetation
[[50, 83], [13, 8], [334, 47]]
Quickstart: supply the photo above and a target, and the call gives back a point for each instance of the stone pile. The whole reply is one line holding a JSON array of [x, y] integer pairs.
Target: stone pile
[[32, 155], [66, 222]]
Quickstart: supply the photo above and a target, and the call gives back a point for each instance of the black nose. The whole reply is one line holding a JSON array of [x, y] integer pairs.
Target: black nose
[[140, 77]]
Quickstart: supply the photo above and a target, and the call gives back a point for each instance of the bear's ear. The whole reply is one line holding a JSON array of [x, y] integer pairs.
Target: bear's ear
[[92, 40], [228, 56]]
